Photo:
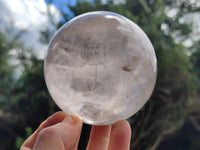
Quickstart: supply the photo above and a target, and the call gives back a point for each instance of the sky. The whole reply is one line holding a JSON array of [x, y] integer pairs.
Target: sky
[[28, 15], [31, 16]]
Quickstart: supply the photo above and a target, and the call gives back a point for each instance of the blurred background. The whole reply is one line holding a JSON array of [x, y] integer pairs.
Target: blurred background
[[170, 120]]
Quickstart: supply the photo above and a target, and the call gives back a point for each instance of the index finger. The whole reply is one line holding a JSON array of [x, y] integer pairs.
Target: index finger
[[54, 119]]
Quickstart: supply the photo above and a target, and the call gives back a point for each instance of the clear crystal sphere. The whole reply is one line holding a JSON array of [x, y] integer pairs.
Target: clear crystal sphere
[[101, 67]]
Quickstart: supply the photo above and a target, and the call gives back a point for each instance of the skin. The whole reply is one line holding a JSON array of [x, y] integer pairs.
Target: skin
[[62, 132]]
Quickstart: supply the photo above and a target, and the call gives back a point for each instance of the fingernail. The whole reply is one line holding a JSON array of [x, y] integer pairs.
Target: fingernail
[[69, 120]]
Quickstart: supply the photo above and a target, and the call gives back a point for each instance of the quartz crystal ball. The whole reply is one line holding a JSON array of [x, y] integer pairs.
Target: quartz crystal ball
[[100, 67]]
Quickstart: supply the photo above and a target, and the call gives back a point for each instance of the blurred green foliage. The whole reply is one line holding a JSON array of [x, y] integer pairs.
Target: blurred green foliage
[[25, 101], [19, 140]]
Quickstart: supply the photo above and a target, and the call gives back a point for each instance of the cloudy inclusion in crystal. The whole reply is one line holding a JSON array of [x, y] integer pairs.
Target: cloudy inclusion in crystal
[[100, 67]]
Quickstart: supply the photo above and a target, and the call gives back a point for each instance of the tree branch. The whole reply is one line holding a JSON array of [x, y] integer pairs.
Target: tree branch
[[162, 136], [195, 123]]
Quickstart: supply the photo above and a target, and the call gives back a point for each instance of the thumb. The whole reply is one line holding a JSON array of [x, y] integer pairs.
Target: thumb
[[63, 135]]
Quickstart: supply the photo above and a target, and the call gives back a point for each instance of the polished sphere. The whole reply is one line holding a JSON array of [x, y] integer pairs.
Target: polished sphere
[[100, 67]]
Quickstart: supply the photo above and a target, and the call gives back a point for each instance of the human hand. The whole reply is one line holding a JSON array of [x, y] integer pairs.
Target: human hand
[[62, 132]]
